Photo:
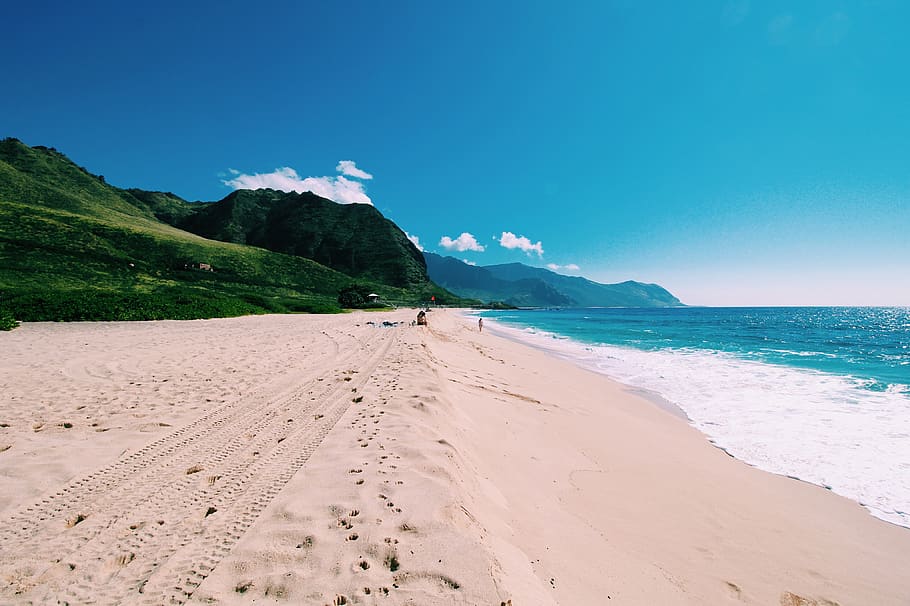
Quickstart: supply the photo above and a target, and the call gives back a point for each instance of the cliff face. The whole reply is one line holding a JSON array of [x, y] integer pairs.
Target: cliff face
[[354, 239]]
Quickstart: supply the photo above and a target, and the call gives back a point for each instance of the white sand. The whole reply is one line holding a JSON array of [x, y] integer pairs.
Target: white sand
[[321, 460]]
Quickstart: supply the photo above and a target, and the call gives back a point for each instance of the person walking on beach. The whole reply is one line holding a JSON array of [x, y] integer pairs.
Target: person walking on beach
[[479, 324]]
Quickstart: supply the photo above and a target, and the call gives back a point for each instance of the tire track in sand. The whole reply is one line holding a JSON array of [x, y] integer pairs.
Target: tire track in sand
[[151, 526]]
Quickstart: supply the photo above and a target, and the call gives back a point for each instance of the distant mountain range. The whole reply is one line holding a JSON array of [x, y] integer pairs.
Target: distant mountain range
[[525, 286]]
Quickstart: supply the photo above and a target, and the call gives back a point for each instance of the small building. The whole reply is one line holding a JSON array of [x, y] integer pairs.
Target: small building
[[373, 298]]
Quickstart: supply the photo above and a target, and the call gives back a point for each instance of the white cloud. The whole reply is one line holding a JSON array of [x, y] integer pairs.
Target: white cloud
[[471, 263], [569, 267], [415, 240], [510, 240], [349, 168], [462, 243], [339, 189]]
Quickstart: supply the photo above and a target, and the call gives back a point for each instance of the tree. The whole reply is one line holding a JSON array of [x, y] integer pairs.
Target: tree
[[354, 296]]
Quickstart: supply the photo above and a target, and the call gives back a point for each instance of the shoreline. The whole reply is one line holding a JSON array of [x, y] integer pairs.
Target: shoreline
[[655, 398], [739, 446], [305, 459]]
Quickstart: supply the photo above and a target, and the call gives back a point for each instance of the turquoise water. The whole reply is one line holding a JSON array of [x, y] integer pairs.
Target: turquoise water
[[817, 393], [871, 343]]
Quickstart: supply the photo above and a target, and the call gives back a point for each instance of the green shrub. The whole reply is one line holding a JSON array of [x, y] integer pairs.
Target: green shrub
[[354, 296], [7, 322]]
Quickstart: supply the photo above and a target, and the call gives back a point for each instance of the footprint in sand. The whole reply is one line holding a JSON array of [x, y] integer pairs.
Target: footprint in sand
[[791, 599], [735, 591]]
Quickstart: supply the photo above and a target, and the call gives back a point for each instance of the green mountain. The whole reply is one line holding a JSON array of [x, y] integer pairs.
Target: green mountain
[[525, 286], [354, 239], [74, 247], [167, 207]]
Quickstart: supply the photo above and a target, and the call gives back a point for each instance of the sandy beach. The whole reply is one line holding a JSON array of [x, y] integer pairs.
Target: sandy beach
[[331, 460]]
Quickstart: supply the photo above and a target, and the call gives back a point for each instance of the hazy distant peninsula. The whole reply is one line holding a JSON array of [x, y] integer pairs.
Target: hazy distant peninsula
[[525, 286]]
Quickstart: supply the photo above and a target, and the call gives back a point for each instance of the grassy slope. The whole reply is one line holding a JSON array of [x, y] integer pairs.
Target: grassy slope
[[166, 206], [73, 247]]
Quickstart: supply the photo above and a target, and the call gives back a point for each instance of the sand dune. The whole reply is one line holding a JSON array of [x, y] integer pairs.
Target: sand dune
[[329, 460]]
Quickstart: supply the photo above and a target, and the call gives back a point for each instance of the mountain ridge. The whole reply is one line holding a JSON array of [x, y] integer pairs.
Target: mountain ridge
[[526, 286], [355, 239]]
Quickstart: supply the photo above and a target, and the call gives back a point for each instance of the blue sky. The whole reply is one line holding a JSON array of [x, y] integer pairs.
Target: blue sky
[[734, 152]]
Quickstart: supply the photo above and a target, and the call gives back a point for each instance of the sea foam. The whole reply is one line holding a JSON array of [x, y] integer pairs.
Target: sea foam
[[821, 428]]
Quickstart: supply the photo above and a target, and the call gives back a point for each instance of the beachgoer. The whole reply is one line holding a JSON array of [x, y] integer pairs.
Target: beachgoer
[[479, 324], [421, 318]]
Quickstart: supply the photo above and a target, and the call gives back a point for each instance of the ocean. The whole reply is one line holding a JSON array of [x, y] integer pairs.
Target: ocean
[[816, 393]]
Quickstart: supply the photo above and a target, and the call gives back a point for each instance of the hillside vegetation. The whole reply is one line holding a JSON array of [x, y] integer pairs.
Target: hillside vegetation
[[354, 239], [72, 247]]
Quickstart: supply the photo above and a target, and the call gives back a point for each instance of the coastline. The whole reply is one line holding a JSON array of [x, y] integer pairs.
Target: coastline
[[813, 424], [480, 470], [651, 396], [654, 397]]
